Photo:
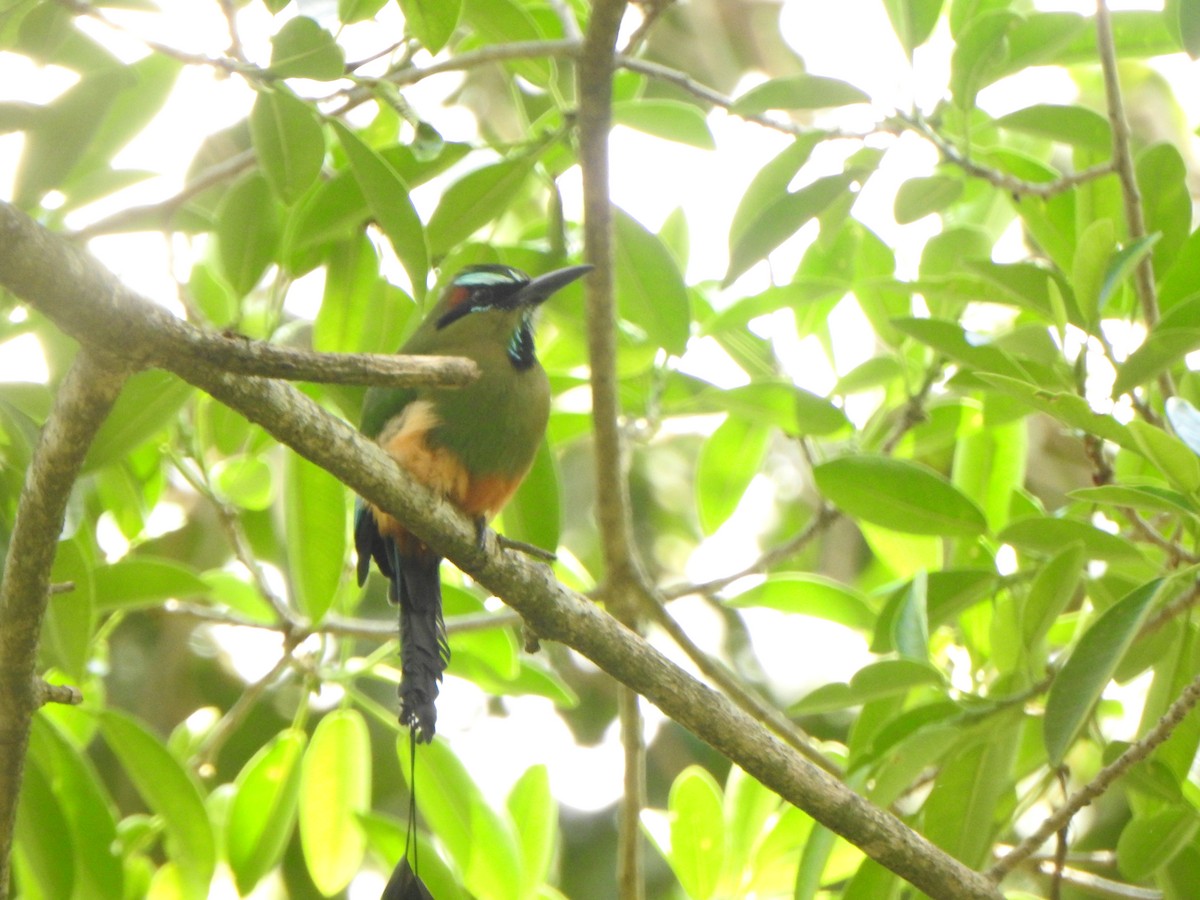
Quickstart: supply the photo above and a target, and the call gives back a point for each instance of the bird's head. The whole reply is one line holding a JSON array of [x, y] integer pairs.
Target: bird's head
[[492, 302]]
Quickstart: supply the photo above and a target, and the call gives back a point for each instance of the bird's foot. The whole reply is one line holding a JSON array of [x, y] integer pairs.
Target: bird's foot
[[528, 549], [505, 543]]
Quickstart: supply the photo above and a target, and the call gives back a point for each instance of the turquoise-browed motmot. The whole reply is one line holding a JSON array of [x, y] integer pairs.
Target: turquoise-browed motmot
[[473, 445]]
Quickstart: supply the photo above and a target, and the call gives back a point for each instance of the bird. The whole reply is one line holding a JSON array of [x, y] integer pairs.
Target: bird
[[472, 445]]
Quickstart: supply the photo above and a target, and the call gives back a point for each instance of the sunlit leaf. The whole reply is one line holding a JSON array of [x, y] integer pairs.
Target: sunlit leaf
[[900, 495], [169, 789], [798, 92], [387, 196], [1075, 125], [731, 457], [303, 49], [335, 788], [810, 595], [669, 119], [1149, 842], [697, 832], [650, 288], [913, 21], [920, 197], [315, 514], [431, 21], [289, 141], [475, 200], [263, 811]]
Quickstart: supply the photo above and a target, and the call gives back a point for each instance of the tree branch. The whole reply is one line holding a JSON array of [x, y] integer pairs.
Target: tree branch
[[1123, 162], [1101, 783], [551, 609], [83, 401]]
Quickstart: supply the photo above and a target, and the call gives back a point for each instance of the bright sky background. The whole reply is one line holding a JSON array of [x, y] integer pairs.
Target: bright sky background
[[850, 40]]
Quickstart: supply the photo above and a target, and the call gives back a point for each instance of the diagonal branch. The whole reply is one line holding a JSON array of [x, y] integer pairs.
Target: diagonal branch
[[551, 609], [83, 401]]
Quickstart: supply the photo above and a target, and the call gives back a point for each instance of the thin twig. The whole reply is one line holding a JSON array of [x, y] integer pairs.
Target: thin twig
[[823, 517], [136, 217], [1008, 183], [208, 749], [1103, 780], [750, 702], [45, 692], [1123, 162], [335, 626]]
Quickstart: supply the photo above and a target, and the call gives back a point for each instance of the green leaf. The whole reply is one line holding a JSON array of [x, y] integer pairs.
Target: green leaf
[[1121, 266], [61, 132], [475, 200], [289, 141], [909, 621], [1090, 667], [140, 581], [797, 92], [913, 21], [888, 678], [1162, 178], [1074, 125], [245, 481], [315, 517], [900, 495], [650, 288], [697, 832], [779, 404], [533, 809], [350, 11], [431, 22], [809, 595], [70, 618], [43, 838], [779, 220], [148, 403], [979, 55], [949, 338], [1169, 454], [171, 792], [770, 184], [1068, 408], [729, 459], [920, 197], [509, 22], [387, 196], [263, 810], [1148, 842], [1053, 589], [668, 119], [79, 794], [247, 232], [335, 789], [1147, 498], [1092, 256], [961, 810], [1045, 535], [303, 49]]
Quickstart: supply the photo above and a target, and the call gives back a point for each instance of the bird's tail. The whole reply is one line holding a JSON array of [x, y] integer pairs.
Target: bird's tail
[[424, 653]]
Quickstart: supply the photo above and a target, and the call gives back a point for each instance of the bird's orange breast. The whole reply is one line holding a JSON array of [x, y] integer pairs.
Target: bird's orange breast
[[406, 439]]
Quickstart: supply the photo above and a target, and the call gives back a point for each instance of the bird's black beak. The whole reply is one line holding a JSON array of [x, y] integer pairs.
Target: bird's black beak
[[540, 288]]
